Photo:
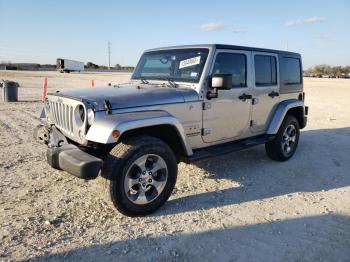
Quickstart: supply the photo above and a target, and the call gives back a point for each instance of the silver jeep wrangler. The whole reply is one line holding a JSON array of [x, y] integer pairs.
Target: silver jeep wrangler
[[183, 103]]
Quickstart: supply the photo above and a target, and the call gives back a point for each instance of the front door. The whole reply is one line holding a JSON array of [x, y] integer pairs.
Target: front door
[[265, 91], [227, 116]]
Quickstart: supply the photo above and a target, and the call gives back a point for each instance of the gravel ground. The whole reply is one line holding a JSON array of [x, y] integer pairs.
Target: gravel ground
[[239, 207]]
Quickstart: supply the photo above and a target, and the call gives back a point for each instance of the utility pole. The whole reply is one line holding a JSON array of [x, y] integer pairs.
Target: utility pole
[[109, 55]]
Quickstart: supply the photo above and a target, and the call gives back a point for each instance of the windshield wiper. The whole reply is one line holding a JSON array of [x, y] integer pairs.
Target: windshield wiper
[[144, 80], [170, 81]]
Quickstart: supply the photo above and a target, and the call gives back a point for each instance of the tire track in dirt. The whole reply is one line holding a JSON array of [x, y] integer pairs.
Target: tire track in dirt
[[16, 129], [20, 124], [32, 116], [7, 133], [4, 125]]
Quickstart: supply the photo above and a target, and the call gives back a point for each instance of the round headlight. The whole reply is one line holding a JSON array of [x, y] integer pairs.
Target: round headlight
[[90, 116], [81, 112]]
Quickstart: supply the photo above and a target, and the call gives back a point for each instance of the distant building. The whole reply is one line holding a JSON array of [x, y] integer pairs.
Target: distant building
[[20, 66], [25, 66]]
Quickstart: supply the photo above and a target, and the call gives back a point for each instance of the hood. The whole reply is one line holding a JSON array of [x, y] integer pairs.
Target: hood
[[131, 96]]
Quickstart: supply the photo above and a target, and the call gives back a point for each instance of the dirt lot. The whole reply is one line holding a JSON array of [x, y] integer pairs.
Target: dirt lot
[[240, 207]]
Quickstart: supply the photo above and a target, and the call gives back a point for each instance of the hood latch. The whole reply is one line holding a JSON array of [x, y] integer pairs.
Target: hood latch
[[108, 106]]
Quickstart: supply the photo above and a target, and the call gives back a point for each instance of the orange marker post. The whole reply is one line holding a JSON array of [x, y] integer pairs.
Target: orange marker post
[[92, 83], [43, 95]]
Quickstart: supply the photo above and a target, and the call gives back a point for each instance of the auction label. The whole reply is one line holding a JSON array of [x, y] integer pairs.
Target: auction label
[[190, 62]]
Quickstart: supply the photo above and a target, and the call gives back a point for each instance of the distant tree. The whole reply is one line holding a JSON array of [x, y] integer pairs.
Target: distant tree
[[91, 65], [128, 68], [118, 67], [336, 71]]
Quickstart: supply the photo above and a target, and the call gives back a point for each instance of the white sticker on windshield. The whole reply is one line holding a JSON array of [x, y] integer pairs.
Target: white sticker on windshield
[[190, 62], [193, 74]]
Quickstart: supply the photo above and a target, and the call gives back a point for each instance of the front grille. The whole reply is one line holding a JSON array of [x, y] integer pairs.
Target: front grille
[[62, 116]]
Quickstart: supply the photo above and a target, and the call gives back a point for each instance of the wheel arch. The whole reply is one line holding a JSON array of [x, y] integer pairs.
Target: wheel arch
[[293, 107], [165, 132], [158, 124], [298, 113]]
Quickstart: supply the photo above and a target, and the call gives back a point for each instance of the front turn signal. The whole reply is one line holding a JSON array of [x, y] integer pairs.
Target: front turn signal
[[115, 133]]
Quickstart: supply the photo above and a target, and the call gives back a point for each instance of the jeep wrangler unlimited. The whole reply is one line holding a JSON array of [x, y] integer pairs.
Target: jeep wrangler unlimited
[[183, 103]]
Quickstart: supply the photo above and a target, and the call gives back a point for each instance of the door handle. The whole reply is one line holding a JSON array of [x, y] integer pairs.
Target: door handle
[[244, 97], [273, 94]]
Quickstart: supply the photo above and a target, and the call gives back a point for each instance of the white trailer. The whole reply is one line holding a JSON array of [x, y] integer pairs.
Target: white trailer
[[66, 65]]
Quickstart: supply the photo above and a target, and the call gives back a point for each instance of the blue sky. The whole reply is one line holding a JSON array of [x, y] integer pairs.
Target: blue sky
[[40, 31]]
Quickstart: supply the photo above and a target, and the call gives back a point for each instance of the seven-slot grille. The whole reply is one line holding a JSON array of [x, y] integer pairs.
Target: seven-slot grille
[[62, 115]]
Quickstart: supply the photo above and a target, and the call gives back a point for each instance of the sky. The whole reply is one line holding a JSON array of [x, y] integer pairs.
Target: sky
[[40, 31]]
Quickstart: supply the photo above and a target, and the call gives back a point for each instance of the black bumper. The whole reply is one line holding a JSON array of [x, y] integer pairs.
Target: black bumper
[[306, 112], [74, 161]]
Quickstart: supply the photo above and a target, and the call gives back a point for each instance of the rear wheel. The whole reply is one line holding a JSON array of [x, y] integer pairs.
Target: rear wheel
[[286, 141], [141, 174]]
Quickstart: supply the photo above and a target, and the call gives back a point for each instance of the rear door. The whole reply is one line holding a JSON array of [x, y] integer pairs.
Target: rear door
[[265, 89]]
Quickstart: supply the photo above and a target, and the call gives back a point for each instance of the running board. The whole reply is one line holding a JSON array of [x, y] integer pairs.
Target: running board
[[223, 149]]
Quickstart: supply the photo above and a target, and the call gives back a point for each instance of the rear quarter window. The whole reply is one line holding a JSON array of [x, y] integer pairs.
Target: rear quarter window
[[290, 71]]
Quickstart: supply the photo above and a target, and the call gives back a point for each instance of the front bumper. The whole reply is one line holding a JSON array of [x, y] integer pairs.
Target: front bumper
[[74, 161], [67, 157]]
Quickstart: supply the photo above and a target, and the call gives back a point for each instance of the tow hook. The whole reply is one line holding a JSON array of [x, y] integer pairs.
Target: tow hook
[[42, 134]]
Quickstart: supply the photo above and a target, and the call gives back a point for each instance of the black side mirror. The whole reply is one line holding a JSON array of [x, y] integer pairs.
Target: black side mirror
[[221, 81]]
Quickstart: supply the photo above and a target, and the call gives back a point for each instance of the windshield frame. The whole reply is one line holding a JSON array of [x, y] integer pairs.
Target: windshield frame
[[163, 78]]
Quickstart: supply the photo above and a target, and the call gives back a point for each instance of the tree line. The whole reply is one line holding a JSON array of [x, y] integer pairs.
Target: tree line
[[90, 65], [33, 66], [327, 70]]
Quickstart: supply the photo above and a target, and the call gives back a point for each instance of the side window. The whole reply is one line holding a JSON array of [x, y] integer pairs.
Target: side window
[[265, 70], [290, 71], [235, 64]]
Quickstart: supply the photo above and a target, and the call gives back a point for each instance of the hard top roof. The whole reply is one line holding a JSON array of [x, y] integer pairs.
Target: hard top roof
[[223, 46]]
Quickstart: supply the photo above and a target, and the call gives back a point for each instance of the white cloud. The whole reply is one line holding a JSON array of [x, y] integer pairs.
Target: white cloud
[[212, 27], [307, 21], [314, 19]]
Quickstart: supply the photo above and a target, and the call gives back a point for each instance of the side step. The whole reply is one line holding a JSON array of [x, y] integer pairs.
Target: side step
[[223, 149]]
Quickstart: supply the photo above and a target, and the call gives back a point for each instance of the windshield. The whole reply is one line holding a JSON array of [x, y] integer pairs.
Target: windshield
[[184, 65]]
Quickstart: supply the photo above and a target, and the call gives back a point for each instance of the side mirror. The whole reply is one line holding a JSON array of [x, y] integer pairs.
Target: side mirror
[[221, 81]]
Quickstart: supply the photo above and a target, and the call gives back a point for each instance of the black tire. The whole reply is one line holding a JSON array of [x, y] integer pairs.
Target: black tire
[[118, 166], [277, 149]]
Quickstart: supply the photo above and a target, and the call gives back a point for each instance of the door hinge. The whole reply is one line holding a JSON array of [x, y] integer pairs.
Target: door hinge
[[206, 105], [255, 101], [253, 122], [205, 131]]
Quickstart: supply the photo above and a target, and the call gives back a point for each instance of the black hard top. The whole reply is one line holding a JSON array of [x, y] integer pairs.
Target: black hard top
[[233, 47], [255, 49]]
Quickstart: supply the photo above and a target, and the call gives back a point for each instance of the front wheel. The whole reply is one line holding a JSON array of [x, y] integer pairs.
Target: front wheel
[[141, 174], [283, 146]]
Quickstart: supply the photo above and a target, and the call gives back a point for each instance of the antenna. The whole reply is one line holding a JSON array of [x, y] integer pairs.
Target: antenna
[[109, 55]]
